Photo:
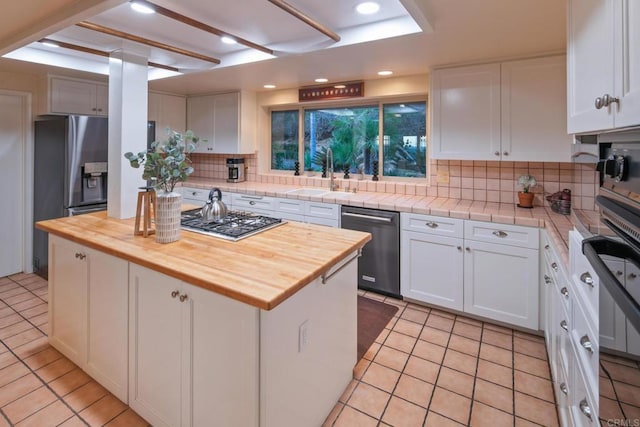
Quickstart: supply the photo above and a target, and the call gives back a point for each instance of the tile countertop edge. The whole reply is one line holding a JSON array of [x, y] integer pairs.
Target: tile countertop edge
[[557, 225]]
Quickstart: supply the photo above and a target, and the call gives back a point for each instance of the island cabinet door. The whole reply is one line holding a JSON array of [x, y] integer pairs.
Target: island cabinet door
[[155, 346]]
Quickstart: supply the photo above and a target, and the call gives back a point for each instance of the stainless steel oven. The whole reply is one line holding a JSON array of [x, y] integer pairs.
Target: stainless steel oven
[[615, 257]]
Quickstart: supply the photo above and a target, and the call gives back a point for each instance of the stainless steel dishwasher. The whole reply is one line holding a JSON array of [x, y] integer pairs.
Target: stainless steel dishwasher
[[379, 265]]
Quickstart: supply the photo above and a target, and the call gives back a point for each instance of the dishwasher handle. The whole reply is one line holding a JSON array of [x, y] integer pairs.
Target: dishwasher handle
[[368, 217]]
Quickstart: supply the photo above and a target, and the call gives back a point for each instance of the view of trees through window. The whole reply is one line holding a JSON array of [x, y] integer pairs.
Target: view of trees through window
[[352, 133]]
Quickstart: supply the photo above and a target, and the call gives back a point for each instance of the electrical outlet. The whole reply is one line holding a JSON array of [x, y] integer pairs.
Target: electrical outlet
[[303, 336]]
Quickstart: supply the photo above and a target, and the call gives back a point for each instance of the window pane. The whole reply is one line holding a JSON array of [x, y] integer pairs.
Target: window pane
[[352, 134], [405, 143], [284, 139]]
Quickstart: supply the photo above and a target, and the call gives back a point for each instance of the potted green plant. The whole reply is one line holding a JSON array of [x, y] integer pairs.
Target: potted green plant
[[164, 165], [525, 197]]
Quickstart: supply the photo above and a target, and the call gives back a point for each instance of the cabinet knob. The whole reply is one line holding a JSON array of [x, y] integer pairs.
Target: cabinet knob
[[619, 273], [585, 409], [174, 294], [564, 291], [184, 297], [585, 342], [497, 153], [505, 153], [459, 248], [608, 100], [468, 249], [431, 224], [631, 276], [194, 193], [80, 255], [547, 247], [554, 265], [500, 233], [564, 325], [563, 388], [252, 203], [599, 103], [586, 278], [547, 280]]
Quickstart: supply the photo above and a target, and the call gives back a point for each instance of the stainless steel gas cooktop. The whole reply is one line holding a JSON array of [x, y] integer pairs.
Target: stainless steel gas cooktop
[[234, 226]]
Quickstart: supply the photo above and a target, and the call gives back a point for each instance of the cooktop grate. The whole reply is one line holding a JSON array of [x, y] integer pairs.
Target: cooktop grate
[[234, 226]]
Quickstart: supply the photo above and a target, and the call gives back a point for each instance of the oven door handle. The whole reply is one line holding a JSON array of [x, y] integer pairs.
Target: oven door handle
[[592, 248]]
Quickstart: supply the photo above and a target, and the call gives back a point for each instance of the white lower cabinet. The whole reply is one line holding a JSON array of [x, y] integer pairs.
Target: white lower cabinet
[[88, 311], [488, 278], [194, 355]]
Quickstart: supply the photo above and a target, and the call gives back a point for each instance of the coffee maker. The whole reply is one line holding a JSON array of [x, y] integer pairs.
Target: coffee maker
[[235, 165]]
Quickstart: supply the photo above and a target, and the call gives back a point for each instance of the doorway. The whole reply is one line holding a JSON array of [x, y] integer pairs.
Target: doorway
[[15, 112]]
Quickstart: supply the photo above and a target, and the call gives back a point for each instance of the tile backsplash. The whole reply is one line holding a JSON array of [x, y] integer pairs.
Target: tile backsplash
[[490, 181]]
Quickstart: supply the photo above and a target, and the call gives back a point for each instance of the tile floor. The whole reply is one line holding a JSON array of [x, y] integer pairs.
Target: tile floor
[[619, 390], [427, 368]]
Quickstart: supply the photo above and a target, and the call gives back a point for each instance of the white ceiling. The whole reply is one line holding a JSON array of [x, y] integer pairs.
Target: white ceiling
[[463, 31]]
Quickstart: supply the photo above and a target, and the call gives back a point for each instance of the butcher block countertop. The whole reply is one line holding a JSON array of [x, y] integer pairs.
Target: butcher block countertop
[[262, 270]]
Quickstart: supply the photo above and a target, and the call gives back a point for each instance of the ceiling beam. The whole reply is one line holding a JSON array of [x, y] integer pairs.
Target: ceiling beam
[[306, 19], [142, 40], [204, 27], [99, 52]]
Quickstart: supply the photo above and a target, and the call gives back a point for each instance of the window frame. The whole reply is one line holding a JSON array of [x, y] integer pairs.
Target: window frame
[[361, 102]]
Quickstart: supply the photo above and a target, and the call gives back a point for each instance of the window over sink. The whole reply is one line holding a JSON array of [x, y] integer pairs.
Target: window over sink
[[353, 134]]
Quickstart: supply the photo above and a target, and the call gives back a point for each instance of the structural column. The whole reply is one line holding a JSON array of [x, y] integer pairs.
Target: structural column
[[128, 97]]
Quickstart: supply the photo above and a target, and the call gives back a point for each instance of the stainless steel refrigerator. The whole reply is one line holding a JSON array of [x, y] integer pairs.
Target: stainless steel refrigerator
[[70, 173]]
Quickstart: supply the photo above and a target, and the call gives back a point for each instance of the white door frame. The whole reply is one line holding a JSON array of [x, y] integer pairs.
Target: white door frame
[[24, 184]]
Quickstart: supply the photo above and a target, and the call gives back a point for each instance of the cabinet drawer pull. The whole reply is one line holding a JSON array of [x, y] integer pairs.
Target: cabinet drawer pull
[[564, 291], [554, 265], [431, 224], [585, 409], [468, 249], [608, 100], [500, 233], [599, 103], [547, 280], [459, 248], [252, 202], [564, 325], [585, 342], [194, 193], [631, 276], [80, 255], [505, 153], [183, 297], [563, 388], [586, 278], [546, 247], [619, 273], [174, 294], [497, 153]]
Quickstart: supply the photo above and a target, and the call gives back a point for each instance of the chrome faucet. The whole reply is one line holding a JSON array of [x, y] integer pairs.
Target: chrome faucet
[[332, 185]]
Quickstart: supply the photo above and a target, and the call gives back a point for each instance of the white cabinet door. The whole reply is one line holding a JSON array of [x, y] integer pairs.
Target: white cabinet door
[[534, 93], [73, 97], [107, 322], [102, 100], [632, 282], [168, 111], [612, 328], [501, 283], [465, 122], [627, 74], [155, 356], [68, 298], [226, 122], [431, 269], [590, 63], [200, 119]]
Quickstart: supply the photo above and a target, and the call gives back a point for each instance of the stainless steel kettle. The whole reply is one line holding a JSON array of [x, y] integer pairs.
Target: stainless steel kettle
[[214, 209]]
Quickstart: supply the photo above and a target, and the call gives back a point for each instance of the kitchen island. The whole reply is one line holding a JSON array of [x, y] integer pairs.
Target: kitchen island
[[204, 331]]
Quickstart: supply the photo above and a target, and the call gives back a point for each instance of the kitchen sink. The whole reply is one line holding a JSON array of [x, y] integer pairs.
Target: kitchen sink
[[308, 191]]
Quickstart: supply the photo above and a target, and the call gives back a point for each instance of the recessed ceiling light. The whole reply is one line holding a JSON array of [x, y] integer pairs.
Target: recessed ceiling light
[[269, 86], [141, 7], [228, 40], [367, 7], [385, 73], [50, 43], [321, 80]]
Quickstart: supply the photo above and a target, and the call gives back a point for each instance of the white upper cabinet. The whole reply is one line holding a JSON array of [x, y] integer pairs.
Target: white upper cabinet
[[72, 96], [603, 65], [225, 123], [168, 111], [504, 111]]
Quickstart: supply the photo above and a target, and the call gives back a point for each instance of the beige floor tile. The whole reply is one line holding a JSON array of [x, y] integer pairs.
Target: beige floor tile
[[619, 360], [498, 339], [400, 413], [85, 396], [414, 390], [27, 304], [464, 345], [5, 311], [382, 336], [631, 412], [521, 422], [418, 307], [443, 313], [466, 330], [69, 382], [18, 388], [350, 417], [33, 347], [451, 405], [416, 316], [435, 336], [55, 369], [496, 354], [437, 420], [333, 415], [439, 322], [495, 373], [627, 393], [15, 295], [346, 394], [11, 319], [382, 377], [52, 415], [460, 361], [498, 328], [531, 365], [372, 351], [23, 338], [43, 358], [14, 329], [28, 404], [429, 351], [391, 358], [37, 310], [469, 321], [360, 368], [12, 372], [622, 373], [7, 358], [536, 338], [486, 416], [530, 348], [73, 422], [533, 385], [422, 369], [408, 328], [400, 341], [536, 410], [369, 400], [609, 409], [494, 395], [456, 381], [103, 411], [128, 419]]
